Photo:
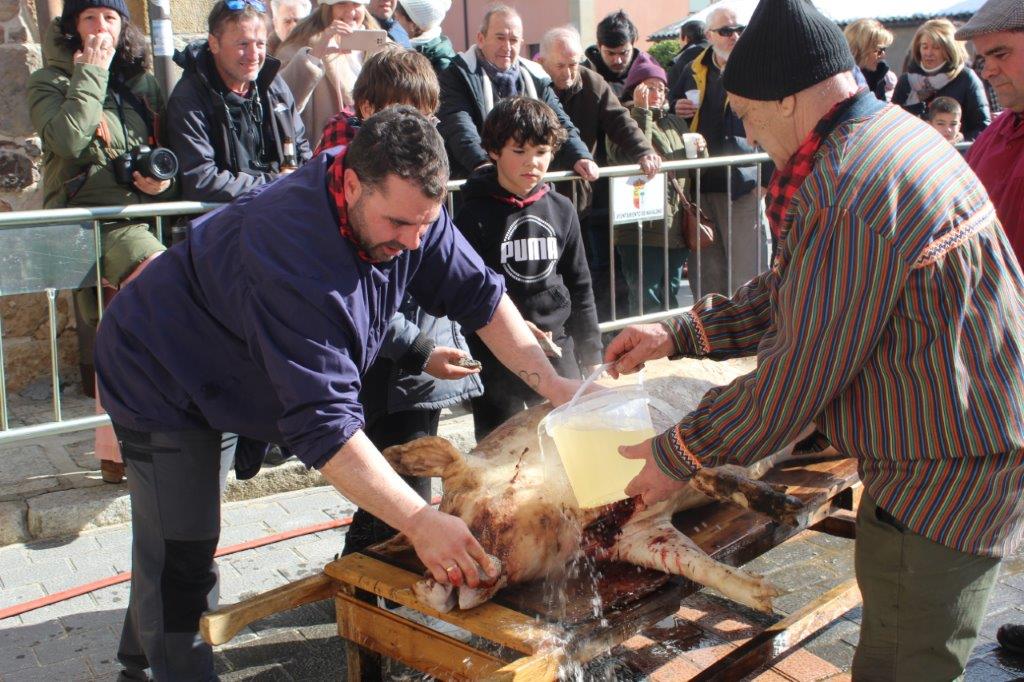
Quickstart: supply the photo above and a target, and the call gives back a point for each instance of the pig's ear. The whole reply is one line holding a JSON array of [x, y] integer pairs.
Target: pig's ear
[[427, 456]]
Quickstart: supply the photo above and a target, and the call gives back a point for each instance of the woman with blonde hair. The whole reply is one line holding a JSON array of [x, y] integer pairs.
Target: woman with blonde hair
[[869, 40], [319, 73], [938, 68]]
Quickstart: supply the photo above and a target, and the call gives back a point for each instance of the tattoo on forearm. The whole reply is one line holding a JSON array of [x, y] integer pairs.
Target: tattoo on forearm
[[532, 379]]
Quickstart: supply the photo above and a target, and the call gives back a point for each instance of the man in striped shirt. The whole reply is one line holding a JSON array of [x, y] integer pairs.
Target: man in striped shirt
[[892, 318]]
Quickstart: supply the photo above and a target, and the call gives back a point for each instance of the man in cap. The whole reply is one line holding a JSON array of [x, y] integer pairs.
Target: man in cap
[[892, 319], [997, 156]]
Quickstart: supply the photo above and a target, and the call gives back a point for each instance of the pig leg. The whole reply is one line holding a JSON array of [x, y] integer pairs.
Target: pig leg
[[732, 484], [661, 547], [475, 596], [438, 596]]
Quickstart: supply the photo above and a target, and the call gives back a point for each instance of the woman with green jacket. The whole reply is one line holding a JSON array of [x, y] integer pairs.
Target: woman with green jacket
[[93, 103], [647, 89]]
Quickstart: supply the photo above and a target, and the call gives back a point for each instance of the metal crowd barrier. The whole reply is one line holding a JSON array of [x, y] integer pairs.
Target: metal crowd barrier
[[46, 251]]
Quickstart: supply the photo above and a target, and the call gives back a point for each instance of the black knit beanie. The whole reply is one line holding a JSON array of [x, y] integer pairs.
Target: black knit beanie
[[787, 47], [72, 8]]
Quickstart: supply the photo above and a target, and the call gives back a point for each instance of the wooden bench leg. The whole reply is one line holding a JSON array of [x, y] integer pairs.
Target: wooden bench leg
[[363, 665]]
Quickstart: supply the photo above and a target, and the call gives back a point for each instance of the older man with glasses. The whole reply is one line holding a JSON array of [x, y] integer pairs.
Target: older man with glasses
[[729, 196], [231, 119]]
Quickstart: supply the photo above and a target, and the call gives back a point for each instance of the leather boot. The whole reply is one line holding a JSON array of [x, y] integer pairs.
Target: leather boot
[[1011, 638]]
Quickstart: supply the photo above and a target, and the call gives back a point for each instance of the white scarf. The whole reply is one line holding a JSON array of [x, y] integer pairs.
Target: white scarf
[[924, 85]]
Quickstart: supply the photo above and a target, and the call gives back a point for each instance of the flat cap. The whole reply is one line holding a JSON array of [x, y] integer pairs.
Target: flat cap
[[992, 17]]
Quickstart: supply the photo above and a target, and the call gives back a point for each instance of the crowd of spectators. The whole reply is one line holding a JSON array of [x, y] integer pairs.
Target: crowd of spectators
[[271, 84]]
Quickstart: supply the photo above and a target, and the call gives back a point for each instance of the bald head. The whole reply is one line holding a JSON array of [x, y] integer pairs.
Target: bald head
[[561, 52]]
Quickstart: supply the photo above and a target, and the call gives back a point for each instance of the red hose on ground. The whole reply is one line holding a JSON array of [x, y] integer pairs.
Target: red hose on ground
[[125, 576]]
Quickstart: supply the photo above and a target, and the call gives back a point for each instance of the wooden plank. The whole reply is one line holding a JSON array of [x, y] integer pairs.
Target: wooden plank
[[774, 640], [841, 523], [415, 645], [219, 626], [497, 623], [541, 667]]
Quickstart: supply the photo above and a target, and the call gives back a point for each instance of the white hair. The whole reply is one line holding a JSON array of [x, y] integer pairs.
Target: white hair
[[562, 34], [717, 12], [305, 6]]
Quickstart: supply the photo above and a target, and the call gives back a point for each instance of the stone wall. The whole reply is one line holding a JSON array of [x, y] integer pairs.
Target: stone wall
[[26, 341], [19, 146]]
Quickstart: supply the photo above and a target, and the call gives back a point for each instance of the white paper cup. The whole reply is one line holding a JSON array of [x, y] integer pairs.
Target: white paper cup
[[692, 144], [693, 96]]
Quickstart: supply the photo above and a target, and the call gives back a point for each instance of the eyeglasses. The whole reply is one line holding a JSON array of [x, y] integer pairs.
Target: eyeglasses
[[728, 31], [880, 50], [236, 5]]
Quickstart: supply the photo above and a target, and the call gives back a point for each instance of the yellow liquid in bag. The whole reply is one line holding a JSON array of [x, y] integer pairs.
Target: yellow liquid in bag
[[597, 472]]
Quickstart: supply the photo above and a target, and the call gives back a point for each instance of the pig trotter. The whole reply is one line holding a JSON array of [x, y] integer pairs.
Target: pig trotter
[[731, 484]]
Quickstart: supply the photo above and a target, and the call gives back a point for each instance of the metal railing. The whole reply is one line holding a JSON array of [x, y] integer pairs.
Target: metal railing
[[50, 250]]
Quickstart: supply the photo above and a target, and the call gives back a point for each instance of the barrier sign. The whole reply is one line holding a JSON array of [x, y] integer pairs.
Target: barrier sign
[[634, 198]]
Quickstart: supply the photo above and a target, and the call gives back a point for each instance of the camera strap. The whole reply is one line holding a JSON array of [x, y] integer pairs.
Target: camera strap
[[122, 94]]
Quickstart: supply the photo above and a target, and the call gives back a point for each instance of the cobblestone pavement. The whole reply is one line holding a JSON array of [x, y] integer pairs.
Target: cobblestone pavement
[[77, 639]]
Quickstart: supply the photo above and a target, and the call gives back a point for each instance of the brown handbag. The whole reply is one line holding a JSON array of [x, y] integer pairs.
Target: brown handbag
[[697, 228]]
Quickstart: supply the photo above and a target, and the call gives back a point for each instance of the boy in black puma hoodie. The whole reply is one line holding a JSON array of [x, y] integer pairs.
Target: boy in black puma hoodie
[[529, 234]]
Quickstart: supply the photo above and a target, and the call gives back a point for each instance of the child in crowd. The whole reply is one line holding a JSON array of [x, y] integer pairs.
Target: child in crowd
[[530, 234], [944, 115], [415, 374], [392, 76]]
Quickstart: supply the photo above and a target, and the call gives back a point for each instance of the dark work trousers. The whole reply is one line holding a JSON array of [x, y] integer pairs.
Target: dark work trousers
[[384, 431], [174, 480]]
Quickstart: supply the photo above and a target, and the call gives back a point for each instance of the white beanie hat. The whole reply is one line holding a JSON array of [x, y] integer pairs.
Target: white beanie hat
[[426, 13]]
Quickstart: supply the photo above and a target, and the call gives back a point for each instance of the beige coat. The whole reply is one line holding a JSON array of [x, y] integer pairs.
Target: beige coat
[[321, 88]]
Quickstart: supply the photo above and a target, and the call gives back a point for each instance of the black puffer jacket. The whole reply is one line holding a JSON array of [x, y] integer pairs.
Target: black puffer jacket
[[201, 135]]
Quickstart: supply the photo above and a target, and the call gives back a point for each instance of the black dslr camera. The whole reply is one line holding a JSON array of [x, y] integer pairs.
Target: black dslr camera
[[158, 163]]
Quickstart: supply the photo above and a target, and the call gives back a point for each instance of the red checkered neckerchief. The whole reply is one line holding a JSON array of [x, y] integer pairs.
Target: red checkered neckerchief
[[336, 186], [786, 181], [340, 130]]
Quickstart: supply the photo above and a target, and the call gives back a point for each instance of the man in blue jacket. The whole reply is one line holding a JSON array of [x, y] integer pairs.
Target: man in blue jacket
[[261, 323]]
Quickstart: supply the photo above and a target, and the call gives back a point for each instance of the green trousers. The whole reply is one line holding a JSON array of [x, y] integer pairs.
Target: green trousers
[[923, 602]]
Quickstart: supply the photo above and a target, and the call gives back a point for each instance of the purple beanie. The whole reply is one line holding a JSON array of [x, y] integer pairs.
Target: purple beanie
[[644, 67]]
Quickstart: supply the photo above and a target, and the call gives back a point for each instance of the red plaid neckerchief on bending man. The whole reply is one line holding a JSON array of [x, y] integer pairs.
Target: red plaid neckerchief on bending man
[[787, 181], [340, 130], [336, 186]]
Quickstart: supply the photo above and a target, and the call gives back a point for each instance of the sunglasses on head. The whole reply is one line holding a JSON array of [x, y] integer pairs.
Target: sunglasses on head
[[237, 5], [728, 31]]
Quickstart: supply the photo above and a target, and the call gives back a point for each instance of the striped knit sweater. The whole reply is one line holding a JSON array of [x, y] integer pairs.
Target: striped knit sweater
[[893, 319]]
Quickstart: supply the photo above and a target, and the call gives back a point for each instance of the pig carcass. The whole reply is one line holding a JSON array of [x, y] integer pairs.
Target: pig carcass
[[525, 515]]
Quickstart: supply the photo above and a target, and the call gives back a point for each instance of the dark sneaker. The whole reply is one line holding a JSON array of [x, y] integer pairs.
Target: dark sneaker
[[1011, 638]]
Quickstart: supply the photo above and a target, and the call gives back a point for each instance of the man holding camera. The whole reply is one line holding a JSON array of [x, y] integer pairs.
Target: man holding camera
[[263, 322], [231, 118]]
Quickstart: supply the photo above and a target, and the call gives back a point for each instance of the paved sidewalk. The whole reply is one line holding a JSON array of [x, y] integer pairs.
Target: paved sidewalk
[[51, 487], [77, 639]]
